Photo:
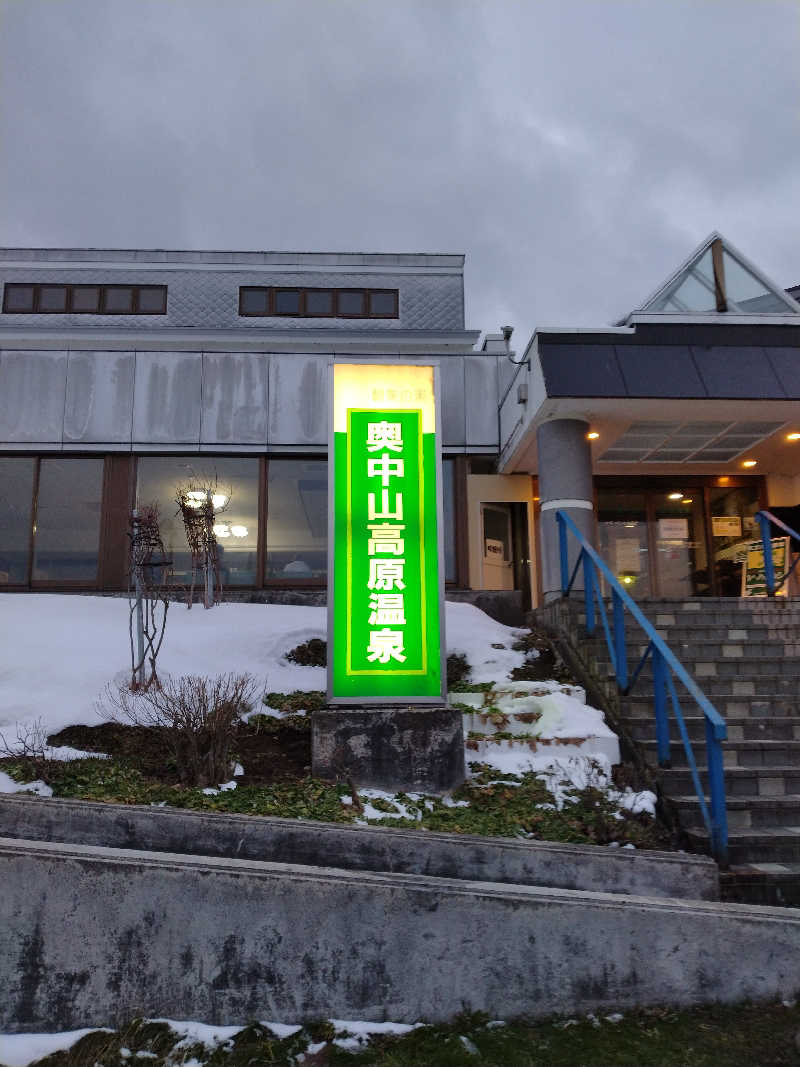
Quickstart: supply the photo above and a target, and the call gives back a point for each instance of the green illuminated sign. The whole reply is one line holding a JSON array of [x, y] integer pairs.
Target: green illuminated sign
[[384, 603]]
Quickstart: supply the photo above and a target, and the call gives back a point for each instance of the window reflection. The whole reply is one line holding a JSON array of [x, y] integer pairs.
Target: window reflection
[[297, 519], [234, 480], [16, 499], [67, 533]]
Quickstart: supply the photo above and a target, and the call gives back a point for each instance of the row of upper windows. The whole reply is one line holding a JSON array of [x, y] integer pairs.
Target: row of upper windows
[[254, 301]]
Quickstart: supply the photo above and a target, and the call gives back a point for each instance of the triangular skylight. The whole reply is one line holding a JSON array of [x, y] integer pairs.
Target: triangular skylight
[[716, 279]]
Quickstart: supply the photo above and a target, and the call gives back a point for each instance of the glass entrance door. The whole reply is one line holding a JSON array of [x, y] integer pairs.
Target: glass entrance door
[[664, 539], [623, 540], [681, 556]]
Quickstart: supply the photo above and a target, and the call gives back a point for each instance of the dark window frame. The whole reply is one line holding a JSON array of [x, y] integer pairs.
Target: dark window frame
[[304, 313], [71, 287]]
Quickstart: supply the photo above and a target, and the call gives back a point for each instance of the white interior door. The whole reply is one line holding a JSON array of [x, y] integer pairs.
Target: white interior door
[[498, 559]]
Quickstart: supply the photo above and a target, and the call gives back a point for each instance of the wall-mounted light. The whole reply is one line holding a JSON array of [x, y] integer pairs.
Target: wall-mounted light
[[793, 437], [675, 496], [592, 435], [749, 462]]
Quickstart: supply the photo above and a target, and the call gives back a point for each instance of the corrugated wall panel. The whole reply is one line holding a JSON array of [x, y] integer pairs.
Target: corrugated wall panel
[[235, 392], [99, 398], [32, 389], [166, 407]]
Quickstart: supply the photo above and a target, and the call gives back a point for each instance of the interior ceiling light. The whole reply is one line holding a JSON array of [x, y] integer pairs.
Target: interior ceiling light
[[239, 531], [793, 437], [592, 435], [687, 500], [675, 496], [749, 462], [222, 529], [195, 498]]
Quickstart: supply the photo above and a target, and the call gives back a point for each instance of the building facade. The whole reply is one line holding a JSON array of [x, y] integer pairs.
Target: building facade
[[127, 374]]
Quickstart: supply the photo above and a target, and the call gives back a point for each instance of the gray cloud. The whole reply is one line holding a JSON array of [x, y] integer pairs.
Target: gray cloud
[[576, 151]]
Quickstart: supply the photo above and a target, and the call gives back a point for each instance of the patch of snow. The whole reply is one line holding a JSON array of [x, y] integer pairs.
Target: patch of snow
[[494, 1024], [238, 770], [346, 800], [18, 1050], [282, 1030], [448, 802], [614, 1017], [91, 636], [470, 1046], [402, 812], [8, 785], [365, 1029], [192, 1032]]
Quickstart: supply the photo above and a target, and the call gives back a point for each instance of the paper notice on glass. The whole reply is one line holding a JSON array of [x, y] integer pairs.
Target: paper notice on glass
[[726, 525], [673, 529], [627, 555]]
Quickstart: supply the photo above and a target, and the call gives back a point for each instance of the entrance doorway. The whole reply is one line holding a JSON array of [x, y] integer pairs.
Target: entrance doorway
[[677, 537], [497, 546]]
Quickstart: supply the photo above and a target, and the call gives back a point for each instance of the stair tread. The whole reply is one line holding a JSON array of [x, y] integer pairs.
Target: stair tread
[[740, 803]]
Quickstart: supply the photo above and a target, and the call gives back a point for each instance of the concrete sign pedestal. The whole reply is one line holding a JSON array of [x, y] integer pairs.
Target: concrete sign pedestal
[[399, 748]]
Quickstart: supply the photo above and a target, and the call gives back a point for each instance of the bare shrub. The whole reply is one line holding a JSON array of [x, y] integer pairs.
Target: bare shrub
[[195, 716], [31, 746]]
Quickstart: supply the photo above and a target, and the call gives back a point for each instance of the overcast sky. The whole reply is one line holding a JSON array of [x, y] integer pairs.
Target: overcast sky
[[575, 151]]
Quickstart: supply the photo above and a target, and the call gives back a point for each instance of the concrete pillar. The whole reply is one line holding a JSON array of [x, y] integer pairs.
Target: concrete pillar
[[565, 483]]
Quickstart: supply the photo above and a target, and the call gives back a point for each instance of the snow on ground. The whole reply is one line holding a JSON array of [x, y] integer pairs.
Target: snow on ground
[[62, 651], [18, 1050]]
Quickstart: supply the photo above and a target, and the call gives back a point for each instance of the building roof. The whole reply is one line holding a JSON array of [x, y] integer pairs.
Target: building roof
[[718, 279]]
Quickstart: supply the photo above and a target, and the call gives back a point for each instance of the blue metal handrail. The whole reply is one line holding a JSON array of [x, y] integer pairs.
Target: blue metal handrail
[[665, 669], [765, 518]]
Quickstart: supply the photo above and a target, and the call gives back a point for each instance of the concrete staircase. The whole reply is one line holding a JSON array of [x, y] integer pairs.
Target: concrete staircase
[[745, 656]]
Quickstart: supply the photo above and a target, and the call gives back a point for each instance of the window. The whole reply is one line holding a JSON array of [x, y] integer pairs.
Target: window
[[297, 520], [237, 480], [47, 299], [16, 507], [287, 301], [319, 303], [351, 303], [67, 532]]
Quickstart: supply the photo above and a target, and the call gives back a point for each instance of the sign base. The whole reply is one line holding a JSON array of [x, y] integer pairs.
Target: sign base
[[398, 748]]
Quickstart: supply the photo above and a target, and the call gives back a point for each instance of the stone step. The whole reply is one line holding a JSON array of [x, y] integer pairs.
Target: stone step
[[703, 668], [771, 843], [740, 728], [757, 755], [767, 883], [746, 782], [748, 699], [745, 812]]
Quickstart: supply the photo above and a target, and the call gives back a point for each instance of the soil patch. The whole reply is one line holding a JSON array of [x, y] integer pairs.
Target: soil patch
[[280, 753]]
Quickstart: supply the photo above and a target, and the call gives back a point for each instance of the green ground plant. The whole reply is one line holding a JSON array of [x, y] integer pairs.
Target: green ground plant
[[745, 1035]]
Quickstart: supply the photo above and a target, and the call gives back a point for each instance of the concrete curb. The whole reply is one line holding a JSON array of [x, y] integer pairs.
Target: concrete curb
[[364, 848], [93, 936]]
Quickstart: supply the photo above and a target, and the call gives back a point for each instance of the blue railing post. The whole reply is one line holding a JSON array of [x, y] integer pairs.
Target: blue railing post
[[619, 640], [660, 707], [766, 541], [563, 552], [716, 789], [588, 591]]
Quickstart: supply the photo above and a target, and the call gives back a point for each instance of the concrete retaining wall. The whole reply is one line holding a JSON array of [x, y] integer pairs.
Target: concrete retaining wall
[[361, 848], [93, 936]]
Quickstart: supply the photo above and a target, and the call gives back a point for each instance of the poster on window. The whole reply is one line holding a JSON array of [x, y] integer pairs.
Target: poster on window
[[726, 525], [754, 582]]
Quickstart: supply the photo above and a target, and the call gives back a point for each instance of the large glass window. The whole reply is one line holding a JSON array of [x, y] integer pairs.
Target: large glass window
[[67, 532], [297, 519], [16, 502], [234, 480]]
